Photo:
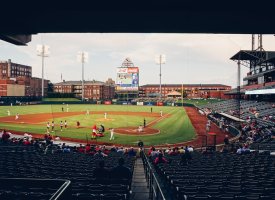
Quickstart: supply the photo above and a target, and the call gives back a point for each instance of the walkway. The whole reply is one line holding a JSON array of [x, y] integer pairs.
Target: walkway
[[139, 184]]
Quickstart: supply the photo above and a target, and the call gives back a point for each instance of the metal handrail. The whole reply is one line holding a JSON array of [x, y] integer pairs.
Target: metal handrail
[[154, 192]]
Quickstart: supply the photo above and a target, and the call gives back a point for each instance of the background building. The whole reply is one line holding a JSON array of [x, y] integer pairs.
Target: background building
[[93, 90], [16, 80], [189, 90]]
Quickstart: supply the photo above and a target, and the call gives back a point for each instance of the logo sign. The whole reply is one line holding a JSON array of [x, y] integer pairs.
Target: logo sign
[[107, 102]]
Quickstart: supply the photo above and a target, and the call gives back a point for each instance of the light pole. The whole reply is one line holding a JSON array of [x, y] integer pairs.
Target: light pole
[[83, 58], [160, 59], [43, 51]]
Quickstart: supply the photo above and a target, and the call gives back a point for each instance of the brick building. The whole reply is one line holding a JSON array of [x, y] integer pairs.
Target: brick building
[[14, 77], [14, 70], [93, 90], [190, 90]]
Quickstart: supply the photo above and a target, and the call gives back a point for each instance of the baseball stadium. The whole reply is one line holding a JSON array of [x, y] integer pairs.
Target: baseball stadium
[[139, 135]]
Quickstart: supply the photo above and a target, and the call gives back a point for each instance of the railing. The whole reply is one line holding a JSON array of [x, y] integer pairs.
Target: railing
[[155, 190], [61, 188]]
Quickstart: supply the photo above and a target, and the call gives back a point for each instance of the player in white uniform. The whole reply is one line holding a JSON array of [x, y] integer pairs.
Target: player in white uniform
[[112, 131], [161, 113], [16, 116], [65, 124], [105, 115], [9, 113], [48, 127]]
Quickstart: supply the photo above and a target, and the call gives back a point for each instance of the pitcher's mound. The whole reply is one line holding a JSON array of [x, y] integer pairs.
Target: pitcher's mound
[[135, 131]]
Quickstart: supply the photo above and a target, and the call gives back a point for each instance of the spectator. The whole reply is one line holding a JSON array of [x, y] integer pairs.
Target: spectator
[[121, 172], [160, 159], [100, 154], [226, 140], [131, 152], [5, 136]]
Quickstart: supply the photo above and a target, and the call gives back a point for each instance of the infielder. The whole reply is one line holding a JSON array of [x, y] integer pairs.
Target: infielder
[[105, 115], [112, 131], [48, 127]]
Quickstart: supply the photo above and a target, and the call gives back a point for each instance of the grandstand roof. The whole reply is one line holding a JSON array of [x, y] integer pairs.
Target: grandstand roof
[[253, 55], [80, 82], [186, 85]]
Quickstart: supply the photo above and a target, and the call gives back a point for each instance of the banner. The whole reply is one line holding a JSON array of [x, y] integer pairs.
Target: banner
[[107, 102], [139, 103], [159, 103]]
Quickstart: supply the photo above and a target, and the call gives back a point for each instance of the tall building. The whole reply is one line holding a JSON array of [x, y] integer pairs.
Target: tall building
[[14, 70], [16, 80], [93, 90]]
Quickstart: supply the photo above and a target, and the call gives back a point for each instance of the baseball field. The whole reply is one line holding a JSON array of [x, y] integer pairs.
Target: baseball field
[[172, 127]]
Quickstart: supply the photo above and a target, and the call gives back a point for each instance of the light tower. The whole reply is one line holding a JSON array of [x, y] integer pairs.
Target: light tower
[[43, 51], [160, 59], [83, 58]]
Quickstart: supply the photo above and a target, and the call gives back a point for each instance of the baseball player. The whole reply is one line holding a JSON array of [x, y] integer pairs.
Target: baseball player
[[65, 124], [9, 113], [16, 116], [61, 125], [161, 113], [48, 127], [52, 126], [112, 131], [105, 115]]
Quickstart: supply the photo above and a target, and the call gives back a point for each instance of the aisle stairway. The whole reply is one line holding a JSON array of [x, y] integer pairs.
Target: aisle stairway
[[140, 191]]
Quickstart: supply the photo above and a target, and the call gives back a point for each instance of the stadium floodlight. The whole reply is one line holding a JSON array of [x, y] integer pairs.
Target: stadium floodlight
[[83, 58], [43, 51], [160, 59]]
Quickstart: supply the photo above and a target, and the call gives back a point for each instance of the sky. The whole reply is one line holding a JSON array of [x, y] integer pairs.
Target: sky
[[190, 58]]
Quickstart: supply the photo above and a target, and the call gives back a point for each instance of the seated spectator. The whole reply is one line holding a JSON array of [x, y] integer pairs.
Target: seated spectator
[[87, 148], [190, 149], [5, 136], [160, 159], [100, 154], [131, 152], [173, 152], [226, 140], [181, 150], [121, 172], [66, 149], [101, 172]]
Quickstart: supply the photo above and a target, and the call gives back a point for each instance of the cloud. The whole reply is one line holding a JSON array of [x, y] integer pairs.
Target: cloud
[[191, 58]]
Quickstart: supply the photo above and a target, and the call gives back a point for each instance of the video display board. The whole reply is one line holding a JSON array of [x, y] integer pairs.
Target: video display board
[[127, 78]]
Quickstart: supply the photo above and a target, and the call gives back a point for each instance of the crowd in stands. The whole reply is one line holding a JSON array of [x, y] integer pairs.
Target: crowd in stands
[[257, 119]]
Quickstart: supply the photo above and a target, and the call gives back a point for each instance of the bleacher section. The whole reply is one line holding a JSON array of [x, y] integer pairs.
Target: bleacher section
[[219, 176], [18, 161], [258, 117]]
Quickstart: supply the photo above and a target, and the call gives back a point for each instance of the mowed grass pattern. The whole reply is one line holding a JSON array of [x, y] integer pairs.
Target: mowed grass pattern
[[174, 129]]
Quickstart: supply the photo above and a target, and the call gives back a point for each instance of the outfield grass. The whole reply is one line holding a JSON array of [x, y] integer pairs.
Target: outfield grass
[[174, 129]]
